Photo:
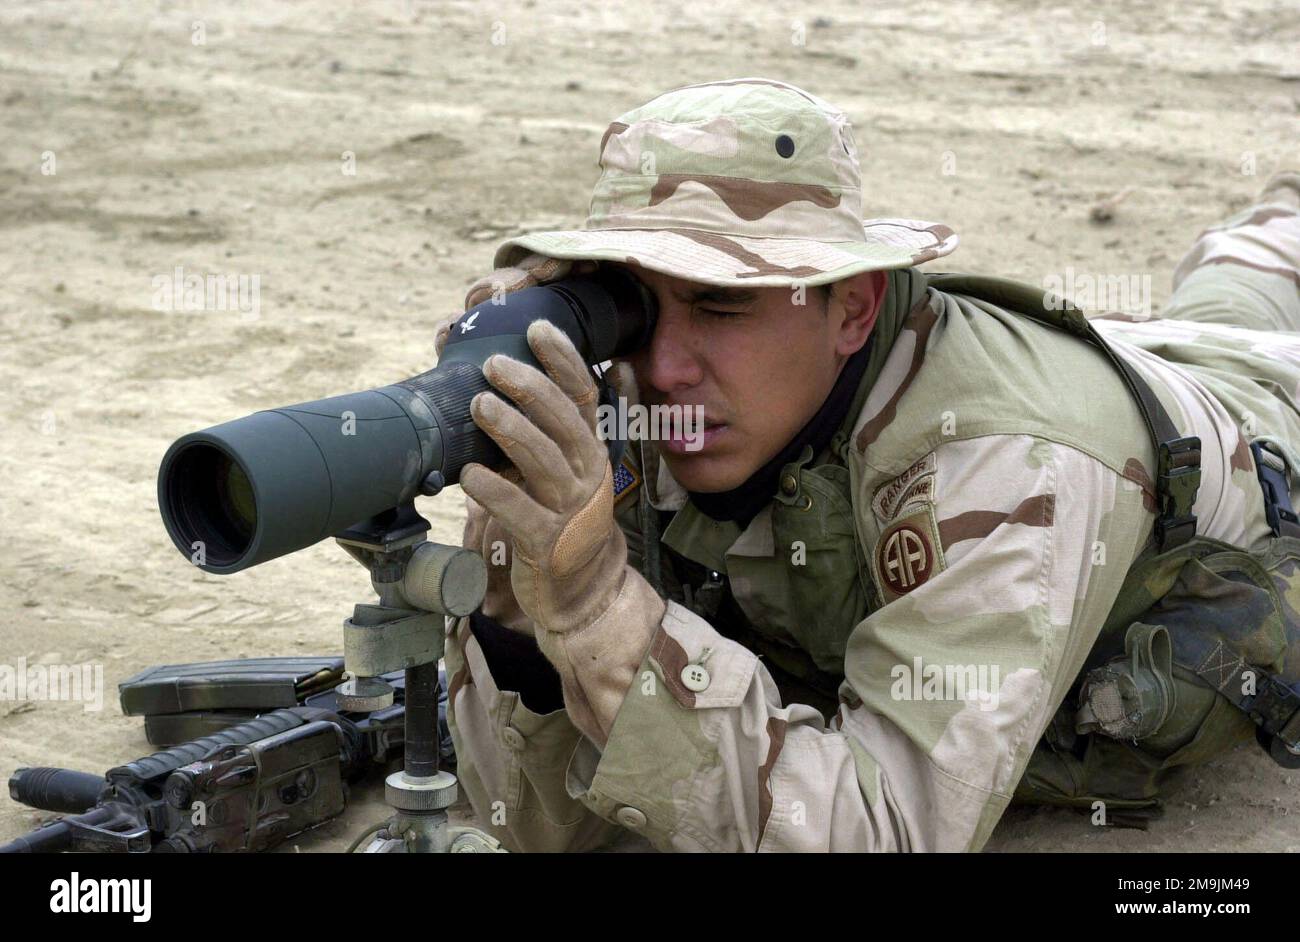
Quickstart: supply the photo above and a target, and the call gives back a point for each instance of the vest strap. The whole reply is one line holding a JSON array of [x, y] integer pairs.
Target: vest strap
[[1178, 457]]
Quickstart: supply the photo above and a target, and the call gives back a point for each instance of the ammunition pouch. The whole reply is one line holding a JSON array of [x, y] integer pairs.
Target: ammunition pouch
[[1133, 696], [1206, 629]]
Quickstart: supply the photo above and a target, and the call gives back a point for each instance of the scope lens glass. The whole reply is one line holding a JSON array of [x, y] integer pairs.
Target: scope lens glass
[[210, 501], [236, 497]]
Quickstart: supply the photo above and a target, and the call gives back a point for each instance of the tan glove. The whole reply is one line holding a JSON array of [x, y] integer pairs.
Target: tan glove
[[531, 271], [482, 533], [595, 616]]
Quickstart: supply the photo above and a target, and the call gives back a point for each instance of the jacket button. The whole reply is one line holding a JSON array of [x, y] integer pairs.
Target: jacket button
[[788, 484], [695, 677], [631, 818], [513, 739]]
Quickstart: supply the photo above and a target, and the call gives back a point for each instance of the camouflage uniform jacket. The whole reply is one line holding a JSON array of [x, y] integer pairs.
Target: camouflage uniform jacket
[[948, 562]]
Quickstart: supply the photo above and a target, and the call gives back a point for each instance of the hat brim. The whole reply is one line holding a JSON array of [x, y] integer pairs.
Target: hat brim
[[731, 260]]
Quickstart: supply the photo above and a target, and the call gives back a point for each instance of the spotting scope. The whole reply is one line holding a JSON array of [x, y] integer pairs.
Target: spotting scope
[[246, 491]]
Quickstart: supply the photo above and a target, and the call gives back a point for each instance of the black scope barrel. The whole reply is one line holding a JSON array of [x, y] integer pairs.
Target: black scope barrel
[[244, 492]]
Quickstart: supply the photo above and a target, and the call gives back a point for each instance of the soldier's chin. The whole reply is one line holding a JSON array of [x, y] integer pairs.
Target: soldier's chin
[[707, 472]]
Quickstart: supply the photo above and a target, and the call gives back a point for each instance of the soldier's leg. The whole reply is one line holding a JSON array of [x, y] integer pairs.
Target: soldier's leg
[[1246, 270]]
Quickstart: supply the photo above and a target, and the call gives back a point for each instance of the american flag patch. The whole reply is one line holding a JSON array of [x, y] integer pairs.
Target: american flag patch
[[625, 480]]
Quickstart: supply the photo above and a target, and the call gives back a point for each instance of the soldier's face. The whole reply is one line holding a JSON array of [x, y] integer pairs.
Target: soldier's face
[[759, 361]]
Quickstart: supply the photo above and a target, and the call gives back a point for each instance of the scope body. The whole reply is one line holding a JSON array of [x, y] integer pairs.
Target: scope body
[[250, 490]]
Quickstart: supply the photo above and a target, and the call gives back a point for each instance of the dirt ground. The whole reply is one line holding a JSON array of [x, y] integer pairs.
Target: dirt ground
[[136, 138]]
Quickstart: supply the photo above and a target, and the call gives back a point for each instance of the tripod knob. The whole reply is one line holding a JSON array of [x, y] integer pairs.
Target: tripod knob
[[445, 579]]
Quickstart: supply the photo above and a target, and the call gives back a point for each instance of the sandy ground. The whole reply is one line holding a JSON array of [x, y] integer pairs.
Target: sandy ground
[[211, 137]]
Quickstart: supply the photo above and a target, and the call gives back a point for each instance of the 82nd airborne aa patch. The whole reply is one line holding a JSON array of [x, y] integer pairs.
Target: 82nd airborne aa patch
[[908, 553]]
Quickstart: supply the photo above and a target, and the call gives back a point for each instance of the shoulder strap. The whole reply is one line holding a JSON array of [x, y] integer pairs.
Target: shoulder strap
[[1178, 476]]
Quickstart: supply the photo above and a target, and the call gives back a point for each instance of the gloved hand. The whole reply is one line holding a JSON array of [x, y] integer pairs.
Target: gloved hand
[[482, 533], [594, 615], [489, 539], [531, 271]]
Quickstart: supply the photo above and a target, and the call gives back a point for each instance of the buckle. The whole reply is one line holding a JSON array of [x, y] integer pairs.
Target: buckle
[[1178, 478], [1277, 492], [1275, 708]]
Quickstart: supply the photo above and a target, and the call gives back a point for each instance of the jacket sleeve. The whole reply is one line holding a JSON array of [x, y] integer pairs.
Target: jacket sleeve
[[514, 739], [510, 760], [1033, 540]]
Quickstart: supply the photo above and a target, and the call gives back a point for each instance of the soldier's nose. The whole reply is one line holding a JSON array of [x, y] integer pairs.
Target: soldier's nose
[[671, 362]]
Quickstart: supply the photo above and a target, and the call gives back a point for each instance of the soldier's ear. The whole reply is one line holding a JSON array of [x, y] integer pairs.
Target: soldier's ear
[[858, 299]]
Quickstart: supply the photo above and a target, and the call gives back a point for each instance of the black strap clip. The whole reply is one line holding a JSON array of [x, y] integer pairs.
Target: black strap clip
[[1275, 708], [1277, 492], [1178, 479]]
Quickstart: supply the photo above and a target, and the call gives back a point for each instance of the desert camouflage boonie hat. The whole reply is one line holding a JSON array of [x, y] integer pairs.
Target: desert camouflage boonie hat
[[744, 182]]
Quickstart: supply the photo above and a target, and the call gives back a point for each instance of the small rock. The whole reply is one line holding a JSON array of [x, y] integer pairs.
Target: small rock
[[1103, 211], [572, 85]]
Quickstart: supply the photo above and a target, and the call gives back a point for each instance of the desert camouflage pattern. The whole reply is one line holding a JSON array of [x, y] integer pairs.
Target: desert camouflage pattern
[[966, 538], [1242, 271], [749, 181]]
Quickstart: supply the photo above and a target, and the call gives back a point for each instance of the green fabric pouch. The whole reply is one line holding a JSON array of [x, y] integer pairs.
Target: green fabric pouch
[[1173, 677]]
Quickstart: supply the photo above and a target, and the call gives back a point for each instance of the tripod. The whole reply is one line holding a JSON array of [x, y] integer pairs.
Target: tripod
[[418, 583]]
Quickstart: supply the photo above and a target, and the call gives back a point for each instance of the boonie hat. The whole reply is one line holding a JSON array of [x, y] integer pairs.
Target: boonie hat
[[747, 182]]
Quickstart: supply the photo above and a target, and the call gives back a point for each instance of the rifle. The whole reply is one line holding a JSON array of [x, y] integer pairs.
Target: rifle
[[245, 788]]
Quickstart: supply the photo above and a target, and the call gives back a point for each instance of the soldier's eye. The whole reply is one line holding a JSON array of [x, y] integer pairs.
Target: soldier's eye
[[714, 312]]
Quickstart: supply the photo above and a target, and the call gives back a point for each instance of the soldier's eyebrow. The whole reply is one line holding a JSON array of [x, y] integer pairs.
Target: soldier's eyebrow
[[715, 294]]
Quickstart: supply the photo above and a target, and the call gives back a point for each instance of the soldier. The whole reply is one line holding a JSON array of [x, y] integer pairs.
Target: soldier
[[945, 542]]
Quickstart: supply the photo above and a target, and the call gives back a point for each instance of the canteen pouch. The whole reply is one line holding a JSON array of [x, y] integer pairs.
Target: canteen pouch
[[1210, 636]]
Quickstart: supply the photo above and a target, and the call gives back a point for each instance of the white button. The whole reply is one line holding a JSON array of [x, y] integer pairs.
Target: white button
[[630, 818], [696, 677], [513, 739]]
